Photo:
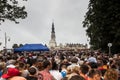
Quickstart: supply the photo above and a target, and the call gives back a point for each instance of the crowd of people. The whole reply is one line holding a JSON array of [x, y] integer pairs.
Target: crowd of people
[[59, 65]]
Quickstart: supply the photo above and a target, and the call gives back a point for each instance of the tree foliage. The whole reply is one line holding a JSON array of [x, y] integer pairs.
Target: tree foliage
[[102, 21], [15, 46], [20, 45], [11, 10]]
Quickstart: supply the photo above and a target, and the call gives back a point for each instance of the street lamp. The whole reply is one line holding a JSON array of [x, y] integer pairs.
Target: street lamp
[[109, 45], [7, 38]]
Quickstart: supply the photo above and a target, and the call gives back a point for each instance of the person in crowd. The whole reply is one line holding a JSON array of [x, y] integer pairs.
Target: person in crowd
[[45, 74], [34, 65], [72, 72], [32, 74], [83, 71], [64, 70], [93, 65], [39, 65], [64, 62], [74, 62], [105, 63], [11, 63], [76, 77], [11, 72], [17, 78], [92, 58], [54, 70], [22, 68], [30, 59], [94, 74], [111, 74], [2, 67]]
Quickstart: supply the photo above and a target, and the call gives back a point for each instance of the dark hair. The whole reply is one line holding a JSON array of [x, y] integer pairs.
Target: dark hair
[[74, 60], [65, 78], [84, 69], [46, 63], [54, 66], [93, 72], [32, 70], [21, 65], [93, 65], [76, 77]]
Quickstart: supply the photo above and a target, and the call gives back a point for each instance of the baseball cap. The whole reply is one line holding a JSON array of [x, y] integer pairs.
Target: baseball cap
[[11, 72]]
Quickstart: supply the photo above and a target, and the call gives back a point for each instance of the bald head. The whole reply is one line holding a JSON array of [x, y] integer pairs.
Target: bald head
[[17, 78]]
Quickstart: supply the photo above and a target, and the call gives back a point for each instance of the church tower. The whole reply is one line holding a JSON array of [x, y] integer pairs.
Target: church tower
[[52, 43]]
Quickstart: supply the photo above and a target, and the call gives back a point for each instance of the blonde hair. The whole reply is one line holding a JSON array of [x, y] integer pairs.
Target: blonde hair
[[111, 74], [74, 69]]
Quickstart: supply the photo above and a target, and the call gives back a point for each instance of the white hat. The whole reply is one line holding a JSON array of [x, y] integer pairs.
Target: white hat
[[11, 66]]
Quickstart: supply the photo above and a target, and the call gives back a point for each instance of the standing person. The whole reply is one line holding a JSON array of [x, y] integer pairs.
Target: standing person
[[45, 74], [83, 71], [92, 59], [11, 72], [32, 74], [111, 74], [54, 71], [94, 74], [17, 78], [64, 70], [2, 67], [74, 62], [76, 77]]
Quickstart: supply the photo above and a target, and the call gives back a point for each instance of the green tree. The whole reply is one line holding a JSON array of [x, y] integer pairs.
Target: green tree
[[20, 45], [15, 46], [11, 10], [102, 21]]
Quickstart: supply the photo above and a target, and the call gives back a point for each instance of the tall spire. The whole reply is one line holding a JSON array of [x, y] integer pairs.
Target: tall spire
[[52, 42], [53, 29]]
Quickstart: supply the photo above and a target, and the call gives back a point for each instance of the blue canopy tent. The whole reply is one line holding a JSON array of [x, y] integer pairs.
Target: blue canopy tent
[[32, 47]]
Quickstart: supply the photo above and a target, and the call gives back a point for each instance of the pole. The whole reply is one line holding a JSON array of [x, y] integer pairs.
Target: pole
[[5, 42], [109, 51], [109, 45]]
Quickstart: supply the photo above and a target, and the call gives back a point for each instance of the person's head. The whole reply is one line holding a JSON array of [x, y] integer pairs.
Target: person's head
[[39, 65], [32, 71], [84, 69], [74, 60], [2, 65], [21, 64], [10, 73], [93, 65], [17, 78], [54, 66], [65, 61], [76, 77], [11, 62], [64, 67], [95, 74], [47, 64], [65, 78], [111, 74], [74, 69]]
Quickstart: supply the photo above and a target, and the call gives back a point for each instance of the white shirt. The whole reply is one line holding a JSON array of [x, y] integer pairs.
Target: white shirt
[[56, 74]]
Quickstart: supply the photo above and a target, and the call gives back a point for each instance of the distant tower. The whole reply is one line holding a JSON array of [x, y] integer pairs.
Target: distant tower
[[52, 43]]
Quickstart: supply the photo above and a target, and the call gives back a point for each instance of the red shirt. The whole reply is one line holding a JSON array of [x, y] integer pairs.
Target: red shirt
[[46, 75]]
